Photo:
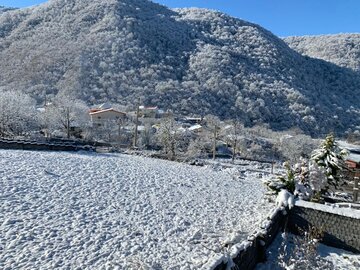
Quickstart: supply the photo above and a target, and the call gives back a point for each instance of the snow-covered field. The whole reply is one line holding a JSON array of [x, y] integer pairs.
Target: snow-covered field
[[112, 211]]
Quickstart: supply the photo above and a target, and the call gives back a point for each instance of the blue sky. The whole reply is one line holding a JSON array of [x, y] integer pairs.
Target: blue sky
[[282, 17]]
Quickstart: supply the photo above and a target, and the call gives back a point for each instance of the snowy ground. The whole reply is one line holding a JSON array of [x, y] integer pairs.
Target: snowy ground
[[107, 211], [283, 255]]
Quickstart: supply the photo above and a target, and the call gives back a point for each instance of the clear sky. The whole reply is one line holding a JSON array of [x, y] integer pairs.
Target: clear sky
[[282, 17]]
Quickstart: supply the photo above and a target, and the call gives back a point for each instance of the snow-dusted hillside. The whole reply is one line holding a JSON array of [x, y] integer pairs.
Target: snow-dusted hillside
[[192, 61], [91, 211], [4, 9], [341, 49]]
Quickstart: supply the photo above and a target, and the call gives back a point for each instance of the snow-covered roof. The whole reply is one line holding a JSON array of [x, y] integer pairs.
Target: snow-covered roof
[[354, 151], [42, 109], [195, 127], [193, 118], [105, 106], [181, 129], [148, 108], [353, 157], [348, 146], [107, 110]]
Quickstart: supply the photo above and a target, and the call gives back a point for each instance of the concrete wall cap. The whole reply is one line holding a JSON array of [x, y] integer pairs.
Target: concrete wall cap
[[347, 212]]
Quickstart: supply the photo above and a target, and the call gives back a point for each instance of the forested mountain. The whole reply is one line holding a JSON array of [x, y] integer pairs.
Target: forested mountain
[[3, 9], [341, 49], [188, 60]]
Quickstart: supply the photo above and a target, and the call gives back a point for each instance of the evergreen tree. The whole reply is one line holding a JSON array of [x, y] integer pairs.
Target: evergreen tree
[[331, 159]]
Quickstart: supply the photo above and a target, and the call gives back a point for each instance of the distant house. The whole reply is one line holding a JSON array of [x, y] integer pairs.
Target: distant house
[[196, 128], [150, 112], [192, 120], [353, 159], [353, 162], [101, 116]]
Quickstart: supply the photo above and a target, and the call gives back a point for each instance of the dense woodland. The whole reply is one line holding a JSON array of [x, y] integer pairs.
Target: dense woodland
[[341, 49], [190, 61]]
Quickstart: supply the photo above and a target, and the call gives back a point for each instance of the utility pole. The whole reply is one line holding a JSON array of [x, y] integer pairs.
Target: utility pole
[[136, 124], [46, 117], [68, 122], [235, 139]]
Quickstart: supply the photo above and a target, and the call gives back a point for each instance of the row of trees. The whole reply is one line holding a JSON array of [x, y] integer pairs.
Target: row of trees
[[19, 116], [229, 138]]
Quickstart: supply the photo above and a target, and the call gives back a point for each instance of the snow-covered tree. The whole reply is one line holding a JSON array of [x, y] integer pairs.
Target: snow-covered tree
[[168, 137], [213, 124], [146, 139], [331, 159], [196, 149], [18, 114], [65, 112], [231, 134]]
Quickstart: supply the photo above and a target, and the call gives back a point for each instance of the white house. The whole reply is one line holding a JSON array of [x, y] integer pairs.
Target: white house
[[101, 116]]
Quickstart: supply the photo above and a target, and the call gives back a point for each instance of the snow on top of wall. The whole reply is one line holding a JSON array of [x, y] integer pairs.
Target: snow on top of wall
[[333, 209]]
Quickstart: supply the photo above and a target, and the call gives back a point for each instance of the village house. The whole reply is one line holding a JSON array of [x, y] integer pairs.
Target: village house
[[150, 112], [192, 120], [105, 114], [353, 162]]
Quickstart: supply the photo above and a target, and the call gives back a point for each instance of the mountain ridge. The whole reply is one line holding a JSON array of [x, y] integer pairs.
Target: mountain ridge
[[192, 61], [341, 49]]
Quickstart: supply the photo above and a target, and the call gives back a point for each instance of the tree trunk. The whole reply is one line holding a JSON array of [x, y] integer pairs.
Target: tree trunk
[[68, 122], [214, 146], [234, 151]]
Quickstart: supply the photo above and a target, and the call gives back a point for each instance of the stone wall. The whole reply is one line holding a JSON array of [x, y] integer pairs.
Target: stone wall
[[23, 145], [341, 227]]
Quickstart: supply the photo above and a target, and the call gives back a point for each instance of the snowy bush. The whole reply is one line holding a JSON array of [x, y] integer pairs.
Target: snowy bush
[[300, 252]]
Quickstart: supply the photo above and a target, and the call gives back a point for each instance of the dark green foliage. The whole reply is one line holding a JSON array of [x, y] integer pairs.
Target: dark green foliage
[[289, 179]]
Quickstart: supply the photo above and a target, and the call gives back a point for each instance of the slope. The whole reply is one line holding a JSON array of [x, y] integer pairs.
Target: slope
[[340, 49], [191, 61]]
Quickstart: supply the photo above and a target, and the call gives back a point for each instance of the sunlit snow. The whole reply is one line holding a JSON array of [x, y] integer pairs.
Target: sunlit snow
[[112, 211]]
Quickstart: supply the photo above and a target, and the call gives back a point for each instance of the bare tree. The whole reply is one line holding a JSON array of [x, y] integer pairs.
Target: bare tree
[[213, 123], [64, 112], [168, 137], [18, 113], [231, 134]]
